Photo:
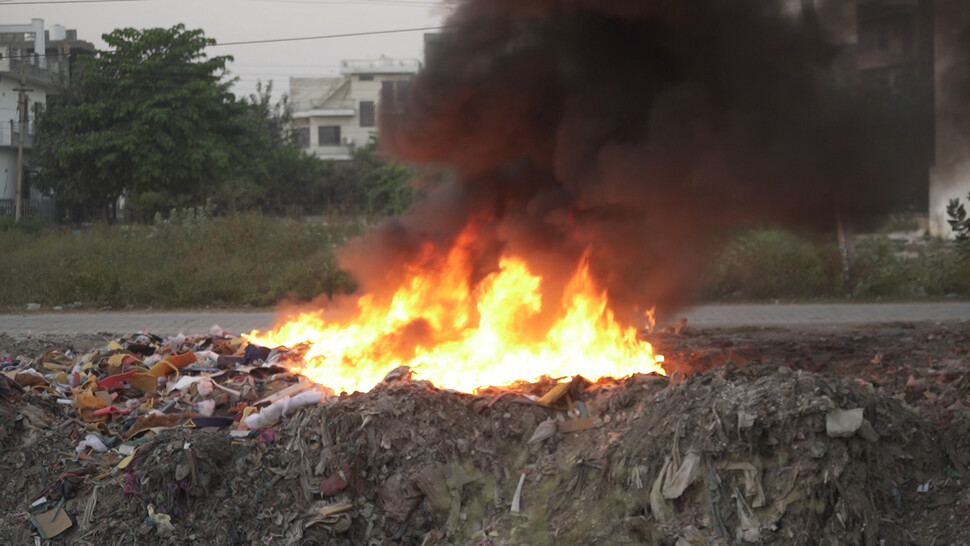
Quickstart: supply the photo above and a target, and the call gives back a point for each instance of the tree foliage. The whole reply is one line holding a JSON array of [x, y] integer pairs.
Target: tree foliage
[[275, 174], [958, 220], [151, 117]]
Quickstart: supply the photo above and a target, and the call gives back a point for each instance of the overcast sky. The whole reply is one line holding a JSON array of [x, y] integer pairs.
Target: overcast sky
[[245, 20]]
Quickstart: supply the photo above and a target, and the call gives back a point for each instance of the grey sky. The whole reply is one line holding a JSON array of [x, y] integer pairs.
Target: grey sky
[[244, 20]]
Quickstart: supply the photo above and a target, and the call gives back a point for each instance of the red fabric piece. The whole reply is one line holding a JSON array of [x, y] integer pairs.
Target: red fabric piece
[[335, 483], [112, 410], [114, 381]]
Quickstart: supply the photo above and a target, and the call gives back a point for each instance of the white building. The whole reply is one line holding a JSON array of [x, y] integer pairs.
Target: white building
[[333, 116], [40, 62], [951, 172]]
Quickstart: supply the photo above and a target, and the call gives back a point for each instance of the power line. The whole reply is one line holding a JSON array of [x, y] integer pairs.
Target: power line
[[42, 2], [328, 36], [397, 3], [249, 42]]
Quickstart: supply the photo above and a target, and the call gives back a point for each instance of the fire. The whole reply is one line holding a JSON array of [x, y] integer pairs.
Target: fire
[[464, 337]]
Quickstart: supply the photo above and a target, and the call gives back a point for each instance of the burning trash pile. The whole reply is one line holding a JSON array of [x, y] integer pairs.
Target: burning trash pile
[[225, 444], [490, 383]]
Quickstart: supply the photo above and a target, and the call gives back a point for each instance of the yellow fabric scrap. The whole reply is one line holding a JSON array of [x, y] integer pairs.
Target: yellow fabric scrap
[[123, 464], [117, 360]]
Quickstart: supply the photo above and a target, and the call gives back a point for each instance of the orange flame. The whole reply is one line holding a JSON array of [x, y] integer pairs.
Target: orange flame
[[465, 337]]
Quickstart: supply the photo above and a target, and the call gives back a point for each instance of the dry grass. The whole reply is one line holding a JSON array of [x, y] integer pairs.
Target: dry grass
[[248, 260], [191, 261]]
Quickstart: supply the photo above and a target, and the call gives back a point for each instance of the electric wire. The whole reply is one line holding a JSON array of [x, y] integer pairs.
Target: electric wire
[[329, 36], [278, 40], [403, 4], [43, 2]]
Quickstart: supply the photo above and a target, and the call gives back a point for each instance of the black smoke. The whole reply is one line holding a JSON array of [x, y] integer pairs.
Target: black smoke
[[638, 132]]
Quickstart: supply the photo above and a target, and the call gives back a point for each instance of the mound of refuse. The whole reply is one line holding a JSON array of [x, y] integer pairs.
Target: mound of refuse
[[236, 449]]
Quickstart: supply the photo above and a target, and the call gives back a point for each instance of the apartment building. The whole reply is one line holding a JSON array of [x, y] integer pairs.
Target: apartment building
[[34, 64], [950, 175], [913, 58], [333, 116]]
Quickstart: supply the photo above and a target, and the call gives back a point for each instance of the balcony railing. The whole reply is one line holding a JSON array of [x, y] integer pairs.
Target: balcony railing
[[343, 152], [53, 74]]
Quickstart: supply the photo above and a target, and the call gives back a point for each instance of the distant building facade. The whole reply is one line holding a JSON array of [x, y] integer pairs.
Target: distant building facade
[[951, 167], [35, 63], [914, 55], [912, 58], [895, 58], [333, 116]]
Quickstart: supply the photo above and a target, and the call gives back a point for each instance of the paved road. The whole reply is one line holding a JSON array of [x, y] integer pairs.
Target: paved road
[[170, 323]]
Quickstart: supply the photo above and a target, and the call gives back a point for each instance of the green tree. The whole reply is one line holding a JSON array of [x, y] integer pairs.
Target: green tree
[[370, 183], [387, 183], [276, 176], [152, 117]]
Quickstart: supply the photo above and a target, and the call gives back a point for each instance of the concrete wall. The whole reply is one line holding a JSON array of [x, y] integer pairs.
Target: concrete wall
[[8, 173], [308, 93], [8, 140], [951, 173], [366, 91]]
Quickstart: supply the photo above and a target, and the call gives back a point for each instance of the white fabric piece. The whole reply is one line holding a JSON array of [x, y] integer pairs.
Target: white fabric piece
[[205, 386], [843, 423], [94, 442], [281, 408], [677, 482], [206, 408]]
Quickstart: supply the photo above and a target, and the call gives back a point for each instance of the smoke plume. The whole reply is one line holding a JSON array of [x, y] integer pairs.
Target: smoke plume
[[636, 133]]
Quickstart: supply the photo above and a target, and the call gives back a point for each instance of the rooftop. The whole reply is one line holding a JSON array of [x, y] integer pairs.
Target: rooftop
[[383, 65]]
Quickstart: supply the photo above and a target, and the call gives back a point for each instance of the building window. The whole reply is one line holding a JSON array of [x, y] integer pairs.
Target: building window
[[328, 135], [393, 94], [301, 137], [366, 77], [368, 117], [394, 89]]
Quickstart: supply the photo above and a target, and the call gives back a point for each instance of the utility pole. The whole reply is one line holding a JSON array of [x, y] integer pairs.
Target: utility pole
[[22, 111]]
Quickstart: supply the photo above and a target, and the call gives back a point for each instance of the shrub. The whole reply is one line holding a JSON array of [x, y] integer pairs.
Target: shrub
[[765, 264], [32, 226]]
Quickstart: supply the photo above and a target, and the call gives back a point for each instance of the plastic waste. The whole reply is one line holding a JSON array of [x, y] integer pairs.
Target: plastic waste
[[281, 408], [94, 442], [171, 364]]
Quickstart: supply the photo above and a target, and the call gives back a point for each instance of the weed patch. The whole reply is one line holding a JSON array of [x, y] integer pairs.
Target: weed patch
[[769, 264], [188, 260], [193, 259]]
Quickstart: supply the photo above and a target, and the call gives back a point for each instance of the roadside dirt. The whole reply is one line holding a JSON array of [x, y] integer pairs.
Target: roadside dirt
[[763, 436]]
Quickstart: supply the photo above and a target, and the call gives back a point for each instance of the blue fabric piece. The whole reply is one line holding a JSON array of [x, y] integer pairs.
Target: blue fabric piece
[[254, 353]]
